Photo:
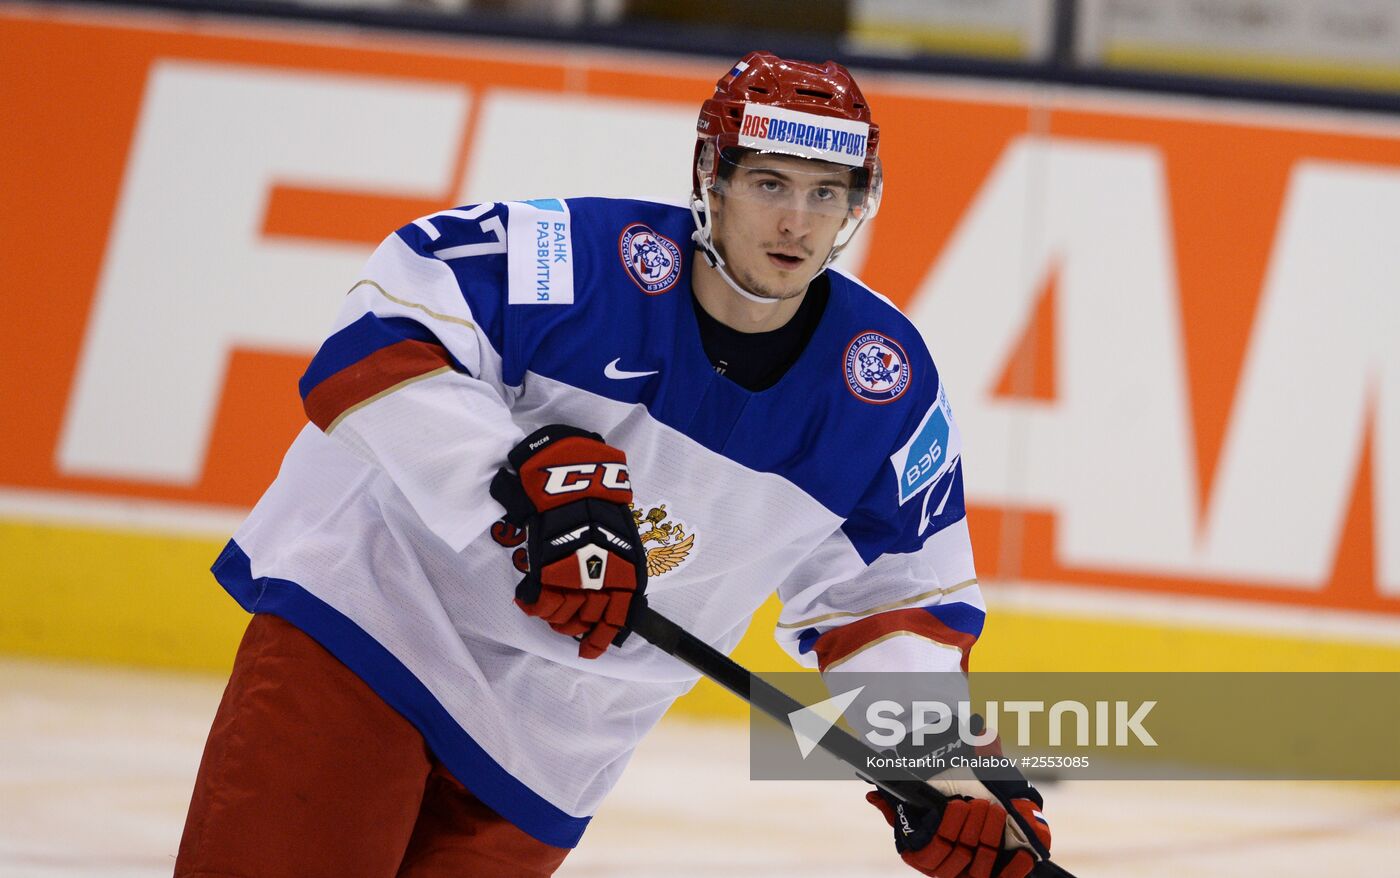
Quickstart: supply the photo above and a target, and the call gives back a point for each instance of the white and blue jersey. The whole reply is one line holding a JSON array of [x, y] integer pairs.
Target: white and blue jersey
[[840, 487]]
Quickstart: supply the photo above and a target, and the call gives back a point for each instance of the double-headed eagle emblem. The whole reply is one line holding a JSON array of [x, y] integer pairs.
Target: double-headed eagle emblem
[[673, 543]]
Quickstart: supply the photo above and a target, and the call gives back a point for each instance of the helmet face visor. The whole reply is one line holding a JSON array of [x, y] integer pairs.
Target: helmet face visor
[[773, 181]]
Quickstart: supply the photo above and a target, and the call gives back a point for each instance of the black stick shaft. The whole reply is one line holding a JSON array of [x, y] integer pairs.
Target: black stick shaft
[[676, 641]]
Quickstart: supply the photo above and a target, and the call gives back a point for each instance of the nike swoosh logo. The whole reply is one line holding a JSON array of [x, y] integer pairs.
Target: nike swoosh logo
[[612, 371]]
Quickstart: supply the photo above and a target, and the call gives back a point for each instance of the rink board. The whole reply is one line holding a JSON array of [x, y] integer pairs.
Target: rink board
[[150, 602], [1164, 324]]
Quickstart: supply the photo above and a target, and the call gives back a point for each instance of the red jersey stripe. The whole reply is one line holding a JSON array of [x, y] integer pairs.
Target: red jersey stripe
[[366, 379], [841, 643]]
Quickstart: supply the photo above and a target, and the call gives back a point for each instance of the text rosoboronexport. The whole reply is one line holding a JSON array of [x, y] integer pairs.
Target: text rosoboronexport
[[802, 134]]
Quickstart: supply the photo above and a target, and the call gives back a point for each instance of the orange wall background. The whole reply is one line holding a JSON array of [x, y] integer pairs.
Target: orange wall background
[[75, 88]]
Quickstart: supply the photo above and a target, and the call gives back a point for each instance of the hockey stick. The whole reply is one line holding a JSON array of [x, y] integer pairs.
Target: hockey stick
[[674, 640]]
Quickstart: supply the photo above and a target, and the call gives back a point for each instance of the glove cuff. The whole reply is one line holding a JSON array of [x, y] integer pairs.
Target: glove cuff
[[543, 438]]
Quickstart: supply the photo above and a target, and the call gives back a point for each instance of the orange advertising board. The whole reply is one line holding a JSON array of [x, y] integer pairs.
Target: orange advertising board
[[1164, 325]]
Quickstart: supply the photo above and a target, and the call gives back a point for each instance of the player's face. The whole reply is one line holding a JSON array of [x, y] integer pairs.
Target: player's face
[[776, 219]]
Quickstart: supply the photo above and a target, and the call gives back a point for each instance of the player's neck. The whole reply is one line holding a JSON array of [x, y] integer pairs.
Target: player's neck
[[728, 307]]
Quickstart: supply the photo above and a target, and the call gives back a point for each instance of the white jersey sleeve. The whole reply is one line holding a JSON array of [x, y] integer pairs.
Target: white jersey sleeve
[[410, 381], [894, 588]]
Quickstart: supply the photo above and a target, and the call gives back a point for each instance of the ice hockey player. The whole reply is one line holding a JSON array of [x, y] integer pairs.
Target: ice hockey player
[[527, 419]]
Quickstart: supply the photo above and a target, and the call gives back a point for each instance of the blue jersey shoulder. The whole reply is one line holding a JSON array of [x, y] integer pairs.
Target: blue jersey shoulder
[[614, 270], [627, 246], [887, 355], [472, 242], [527, 268], [458, 233], [916, 487]]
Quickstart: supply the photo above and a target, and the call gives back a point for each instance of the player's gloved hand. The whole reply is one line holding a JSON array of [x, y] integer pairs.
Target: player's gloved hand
[[585, 566], [989, 829]]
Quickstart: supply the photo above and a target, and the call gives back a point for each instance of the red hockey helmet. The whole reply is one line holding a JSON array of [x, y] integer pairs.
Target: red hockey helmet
[[768, 103]]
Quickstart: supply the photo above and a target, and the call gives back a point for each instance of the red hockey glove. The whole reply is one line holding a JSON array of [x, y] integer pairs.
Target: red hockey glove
[[990, 836], [585, 566]]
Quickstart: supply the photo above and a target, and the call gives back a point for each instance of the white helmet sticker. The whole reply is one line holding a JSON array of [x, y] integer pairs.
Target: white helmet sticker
[[807, 135]]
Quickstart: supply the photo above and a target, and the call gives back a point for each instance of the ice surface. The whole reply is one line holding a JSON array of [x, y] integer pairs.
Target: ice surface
[[96, 767]]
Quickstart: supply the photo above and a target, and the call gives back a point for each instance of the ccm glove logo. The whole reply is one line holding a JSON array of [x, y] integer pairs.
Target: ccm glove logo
[[574, 477]]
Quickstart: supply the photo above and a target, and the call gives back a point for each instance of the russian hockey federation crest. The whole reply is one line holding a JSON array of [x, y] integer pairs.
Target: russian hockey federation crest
[[653, 260], [877, 369]]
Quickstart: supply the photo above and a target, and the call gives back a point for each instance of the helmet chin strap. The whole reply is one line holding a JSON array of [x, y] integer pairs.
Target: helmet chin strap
[[702, 236], [704, 239]]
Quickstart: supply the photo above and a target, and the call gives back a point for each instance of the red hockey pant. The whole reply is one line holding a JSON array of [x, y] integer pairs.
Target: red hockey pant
[[307, 773]]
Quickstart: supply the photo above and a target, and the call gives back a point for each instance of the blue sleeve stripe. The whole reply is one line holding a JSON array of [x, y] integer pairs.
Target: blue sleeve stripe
[[360, 339], [963, 618], [960, 617]]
